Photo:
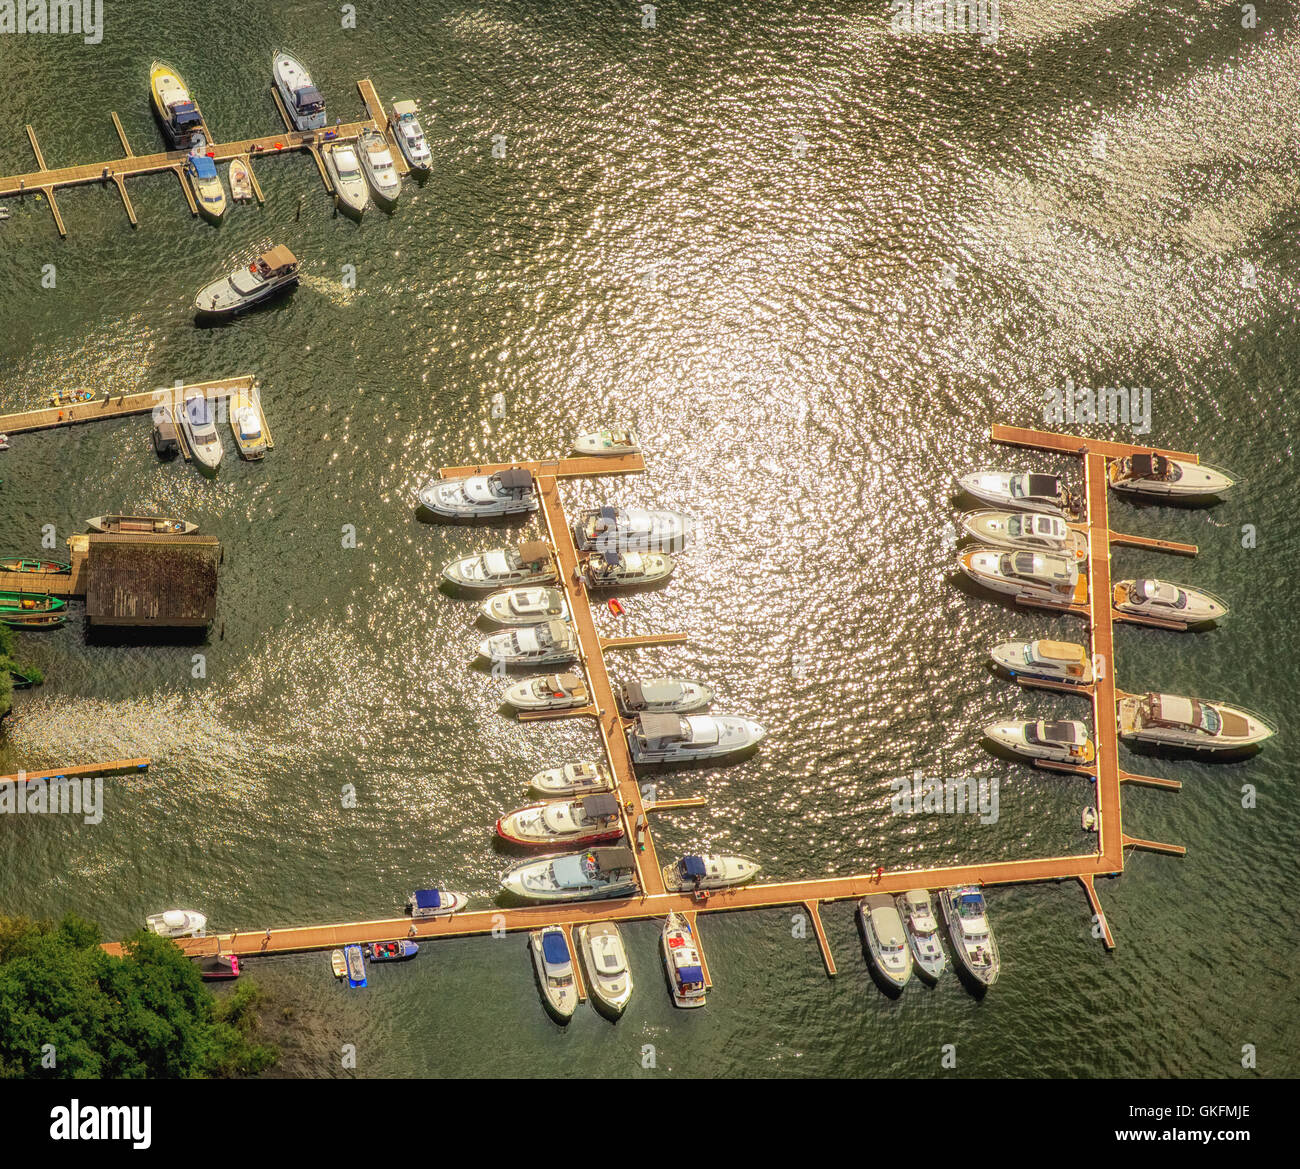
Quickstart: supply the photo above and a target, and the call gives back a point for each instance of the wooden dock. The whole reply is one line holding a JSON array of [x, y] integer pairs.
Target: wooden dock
[[109, 405], [113, 767]]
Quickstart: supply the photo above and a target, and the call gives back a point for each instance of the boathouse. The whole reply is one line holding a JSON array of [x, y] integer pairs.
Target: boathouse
[[149, 581]]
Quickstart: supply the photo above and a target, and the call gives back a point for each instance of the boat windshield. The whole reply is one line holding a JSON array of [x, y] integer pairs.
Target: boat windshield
[[1209, 720]]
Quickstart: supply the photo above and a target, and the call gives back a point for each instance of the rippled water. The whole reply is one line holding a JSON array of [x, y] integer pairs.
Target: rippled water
[[731, 231]]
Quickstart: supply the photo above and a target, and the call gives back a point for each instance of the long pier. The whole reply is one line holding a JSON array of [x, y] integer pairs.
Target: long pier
[[110, 405]]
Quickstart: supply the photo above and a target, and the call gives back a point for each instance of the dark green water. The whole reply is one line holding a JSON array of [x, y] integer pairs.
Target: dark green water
[[730, 231]]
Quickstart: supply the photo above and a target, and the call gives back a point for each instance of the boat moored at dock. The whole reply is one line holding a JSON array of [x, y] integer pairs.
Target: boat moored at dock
[[608, 974], [624, 570], [718, 870], [1046, 661], [1161, 477], [553, 961], [240, 179], [548, 692], [177, 923], [205, 182], [682, 962], [1036, 576], [573, 779], [593, 875], [304, 103], [272, 272], [1169, 720], [1168, 602], [381, 171], [662, 696], [24, 603], [1065, 741], [156, 525], [344, 169], [246, 426], [31, 621], [530, 563], [393, 951], [531, 645], [200, 429], [560, 823], [619, 529], [356, 965], [1026, 529], [34, 566], [182, 120], [503, 493], [886, 940], [526, 606], [675, 738], [971, 934], [1026, 491], [408, 132], [429, 903], [917, 912], [608, 442], [339, 964]]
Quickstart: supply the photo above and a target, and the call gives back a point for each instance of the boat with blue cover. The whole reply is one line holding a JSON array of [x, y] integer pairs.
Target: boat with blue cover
[[710, 871], [435, 903], [209, 194], [553, 961], [356, 964], [682, 962], [393, 951]]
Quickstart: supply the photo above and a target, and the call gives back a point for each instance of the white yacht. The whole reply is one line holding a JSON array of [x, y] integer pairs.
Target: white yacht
[[548, 692], [182, 120], [607, 442], [1040, 576], [917, 912], [205, 182], [527, 606], [970, 933], [246, 425], [1173, 721], [662, 696], [1057, 742], [345, 173], [622, 570], [177, 923], [1169, 602], [380, 169], [1027, 491], [682, 962], [573, 779], [675, 738], [595, 874], [272, 272], [553, 960], [886, 940], [508, 492], [531, 645], [1046, 661], [200, 430], [410, 135], [1164, 478], [1026, 529], [426, 903], [718, 870], [530, 563], [619, 529], [562, 823], [608, 974], [304, 103]]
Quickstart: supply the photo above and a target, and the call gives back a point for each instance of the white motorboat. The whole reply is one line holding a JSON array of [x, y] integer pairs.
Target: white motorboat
[[573, 779], [427, 903], [528, 564], [1169, 602], [200, 429], [1165, 478], [531, 645], [1026, 491], [971, 935], [410, 135], [205, 182], [528, 606], [592, 875], [272, 272], [922, 928], [1026, 529], [241, 180], [682, 962], [1039, 576], [886, 940], [1047, 661], [345, 173], [608, 442], [548, 692], [246, 426], [1056, 742], [508, 492], [553, 960], [182, 120], [1172, 721], [621, 570], [563, 823], [608, 975], [717, 870], [177, 923], [1088, 820], [304, 103], [662, 696], [675, 738], [381, 171], [619, 529]]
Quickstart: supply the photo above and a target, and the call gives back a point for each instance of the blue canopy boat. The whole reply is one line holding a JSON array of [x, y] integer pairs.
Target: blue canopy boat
[[393, 951], [356, 965]]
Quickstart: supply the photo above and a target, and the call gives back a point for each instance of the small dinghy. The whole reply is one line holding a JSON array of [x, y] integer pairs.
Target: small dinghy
[[532, 606], [356, 965], [1090, 819], [425, 903], [219, 967], [241, 180], [41, 567], [607, 442], [608, 975], [393, 951], [339, 964], [710, 871], [32, 620], [573, 779], [553, 961], [21, 679]]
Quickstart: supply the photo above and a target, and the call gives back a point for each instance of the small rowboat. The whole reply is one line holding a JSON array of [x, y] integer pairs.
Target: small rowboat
[[69, 397], [20, 564], [241, 181], [22, 680], [1089, 820], [156, 524], [30, 603], [338, 964], [393, 951], [32, 620]]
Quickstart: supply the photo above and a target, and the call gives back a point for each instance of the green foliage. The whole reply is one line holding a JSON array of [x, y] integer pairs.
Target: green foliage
[[146, 1014]]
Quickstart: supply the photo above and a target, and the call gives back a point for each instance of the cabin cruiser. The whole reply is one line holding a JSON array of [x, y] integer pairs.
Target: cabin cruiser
[[588, 820], [1028, 491], [573, 779], [1026, 529], [410, 135], [349, 183], [508, 492], [553, 960], [917, 913], [531, 645], [246, 426], [426, 903], [1172, 721], [529, 606], [201, 431], [1039, 576], [177, 923], [1169, 602], [182, 121], [530, 563], [304, 103], [1165, 478], [675, 738], [548, 692], [662, 696], [709, 871], [1046, 661], [591, 875], [272, 272], [607, 442], [608, 974], [970, 933], [682, 962], [157, 525], [380, 169], [1057, 742], [209, 194], [886, 940], [618, 570], [631, 530]]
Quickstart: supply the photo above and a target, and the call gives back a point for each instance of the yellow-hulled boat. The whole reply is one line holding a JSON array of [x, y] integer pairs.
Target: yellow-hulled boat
[[181, 117]]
